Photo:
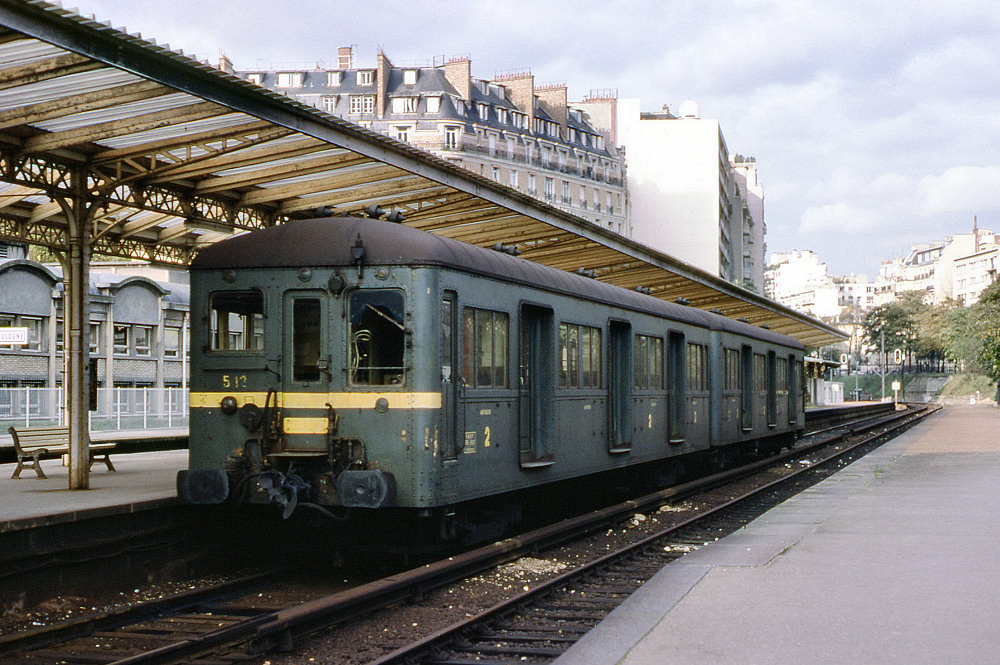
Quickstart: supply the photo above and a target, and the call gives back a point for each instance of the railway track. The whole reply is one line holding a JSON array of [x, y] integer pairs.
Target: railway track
[[224, 625]]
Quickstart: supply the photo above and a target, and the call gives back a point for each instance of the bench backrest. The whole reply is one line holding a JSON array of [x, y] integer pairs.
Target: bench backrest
[[40, 437]]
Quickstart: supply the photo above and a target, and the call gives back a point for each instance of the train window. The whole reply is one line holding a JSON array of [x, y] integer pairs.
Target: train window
[[306, 339], [759, 372], [237, 321], [579, 356], [377, 337], [484, 348], [731, 363], [697, 375], [782, 376], [648, 358]]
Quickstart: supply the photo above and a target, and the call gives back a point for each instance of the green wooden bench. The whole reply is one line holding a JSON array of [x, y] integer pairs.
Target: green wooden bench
[[35, 443]]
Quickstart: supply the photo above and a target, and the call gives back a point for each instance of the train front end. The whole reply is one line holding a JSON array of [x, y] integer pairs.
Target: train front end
[[303, 379]]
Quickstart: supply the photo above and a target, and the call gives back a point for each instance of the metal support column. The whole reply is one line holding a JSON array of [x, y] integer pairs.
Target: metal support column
[[76, 323]]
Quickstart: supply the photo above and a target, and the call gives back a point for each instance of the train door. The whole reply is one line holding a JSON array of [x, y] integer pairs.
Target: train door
[[793, 388], [536, 386], [448, 437], [620, 387], [772, 389], [747, 383], [677, 374], [306, 373]]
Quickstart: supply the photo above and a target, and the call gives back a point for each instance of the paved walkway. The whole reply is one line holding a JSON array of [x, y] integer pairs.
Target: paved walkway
[[142, 480], [896, 559]]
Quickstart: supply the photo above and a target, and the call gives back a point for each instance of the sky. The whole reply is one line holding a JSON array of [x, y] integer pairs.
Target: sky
[[875, 125]]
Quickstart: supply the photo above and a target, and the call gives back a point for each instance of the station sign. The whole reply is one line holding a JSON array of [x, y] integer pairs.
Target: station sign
[[13, 335]]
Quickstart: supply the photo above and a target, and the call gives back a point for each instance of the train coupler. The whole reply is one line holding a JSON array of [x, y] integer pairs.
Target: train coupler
[[283, 489]]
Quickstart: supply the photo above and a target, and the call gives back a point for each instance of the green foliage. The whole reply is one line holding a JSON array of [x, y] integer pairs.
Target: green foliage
[[981, 336], [897, 321], [963, 385], [989, 352]]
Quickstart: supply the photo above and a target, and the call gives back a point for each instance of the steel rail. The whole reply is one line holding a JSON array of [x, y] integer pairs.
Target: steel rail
[[412, 654], [279, 629]]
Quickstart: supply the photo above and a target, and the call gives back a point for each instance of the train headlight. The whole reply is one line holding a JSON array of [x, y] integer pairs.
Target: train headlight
[[228, 405]]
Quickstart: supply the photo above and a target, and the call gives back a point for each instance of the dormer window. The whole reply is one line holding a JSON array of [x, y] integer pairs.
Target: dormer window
[[366, 77], [255, 78], [404, 104], [433, 104], [484, 110], [289, 80], [334, 79], [409, 76]]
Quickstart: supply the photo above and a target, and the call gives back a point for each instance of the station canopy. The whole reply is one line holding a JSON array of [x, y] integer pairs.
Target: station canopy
[[170, 155]]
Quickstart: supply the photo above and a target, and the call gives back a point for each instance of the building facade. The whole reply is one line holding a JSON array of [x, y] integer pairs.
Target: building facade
[[688, 199], [138, 332], [507, 129]]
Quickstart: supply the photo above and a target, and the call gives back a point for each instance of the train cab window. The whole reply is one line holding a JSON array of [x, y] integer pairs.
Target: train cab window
[[697, 374], [579, 356], [484, 348], [648, 358], [377, 334], [237, 321]]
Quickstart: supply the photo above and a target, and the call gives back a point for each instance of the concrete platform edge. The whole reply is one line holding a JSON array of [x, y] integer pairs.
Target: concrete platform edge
[[757, 544]]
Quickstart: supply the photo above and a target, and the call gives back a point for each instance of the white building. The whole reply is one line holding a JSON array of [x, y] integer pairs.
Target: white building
[[973, 273], [681, 187], [799, 280], [929, 268], [754, 247]]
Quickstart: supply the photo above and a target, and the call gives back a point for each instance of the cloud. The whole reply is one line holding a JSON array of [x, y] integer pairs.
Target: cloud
[[961, 189]]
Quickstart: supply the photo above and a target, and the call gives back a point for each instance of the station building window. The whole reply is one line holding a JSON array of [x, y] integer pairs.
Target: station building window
[[171, 342], [35, 326], [143, 336]]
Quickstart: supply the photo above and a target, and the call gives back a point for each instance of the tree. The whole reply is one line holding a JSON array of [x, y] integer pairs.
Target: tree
[[987, 318], [896, 321]]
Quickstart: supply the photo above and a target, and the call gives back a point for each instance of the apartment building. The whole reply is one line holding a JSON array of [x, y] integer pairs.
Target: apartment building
[[958, 267], [506, 128], [688, 198]]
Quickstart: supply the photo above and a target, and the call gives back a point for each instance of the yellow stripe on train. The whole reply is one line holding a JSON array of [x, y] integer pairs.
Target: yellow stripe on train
[[395, 400]]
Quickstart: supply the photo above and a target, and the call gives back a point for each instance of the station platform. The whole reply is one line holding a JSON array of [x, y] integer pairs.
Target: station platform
[[142, 481], [892, 560]]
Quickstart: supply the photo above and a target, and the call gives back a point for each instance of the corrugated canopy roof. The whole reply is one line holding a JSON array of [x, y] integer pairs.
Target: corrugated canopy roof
[[178, 155]]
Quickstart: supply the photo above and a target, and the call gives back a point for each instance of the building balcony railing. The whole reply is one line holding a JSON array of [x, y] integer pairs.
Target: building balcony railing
[[588, 173]]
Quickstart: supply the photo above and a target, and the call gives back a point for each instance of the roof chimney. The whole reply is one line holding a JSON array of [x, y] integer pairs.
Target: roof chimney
[[345, 57], [458, 72], [553, 98]]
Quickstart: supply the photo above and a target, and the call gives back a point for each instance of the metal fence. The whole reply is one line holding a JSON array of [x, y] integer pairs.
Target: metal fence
[[128, 409]]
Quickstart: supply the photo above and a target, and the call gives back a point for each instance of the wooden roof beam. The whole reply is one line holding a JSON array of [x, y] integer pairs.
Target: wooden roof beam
[[88, 101], [324, 184], [112, 128]]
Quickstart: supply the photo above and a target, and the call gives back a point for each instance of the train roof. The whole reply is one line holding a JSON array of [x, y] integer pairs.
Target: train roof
[[327, 242]]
